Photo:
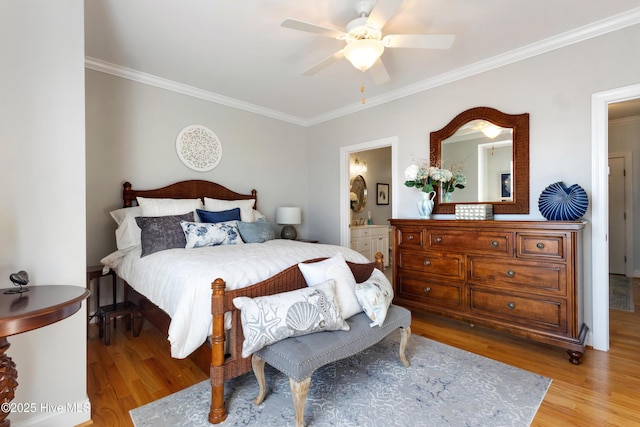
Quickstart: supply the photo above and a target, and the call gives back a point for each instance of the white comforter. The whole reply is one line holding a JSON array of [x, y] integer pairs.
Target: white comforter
[[179, 280]]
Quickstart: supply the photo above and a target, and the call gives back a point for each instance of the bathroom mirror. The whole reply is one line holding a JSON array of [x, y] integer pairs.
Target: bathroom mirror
[[358, 194], [491, 149]]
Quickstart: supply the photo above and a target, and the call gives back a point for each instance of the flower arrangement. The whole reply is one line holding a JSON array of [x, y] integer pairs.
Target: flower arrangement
[[428, 177]]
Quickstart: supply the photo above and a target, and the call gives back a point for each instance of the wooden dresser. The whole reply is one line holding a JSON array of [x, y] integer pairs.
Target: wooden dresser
[[520, 277]]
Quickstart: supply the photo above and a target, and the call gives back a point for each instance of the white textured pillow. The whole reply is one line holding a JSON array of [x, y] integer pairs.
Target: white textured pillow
[[128, 232], [166, 207], [334, 268], [246, 207], [269, 319], [201, 234], [375, 296]]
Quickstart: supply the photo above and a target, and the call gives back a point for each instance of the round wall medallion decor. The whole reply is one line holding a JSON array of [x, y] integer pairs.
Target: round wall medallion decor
[[199, 148], [561, 203]]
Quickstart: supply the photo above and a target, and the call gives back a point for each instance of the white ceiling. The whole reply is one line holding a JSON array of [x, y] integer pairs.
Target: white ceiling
[[235, 52]]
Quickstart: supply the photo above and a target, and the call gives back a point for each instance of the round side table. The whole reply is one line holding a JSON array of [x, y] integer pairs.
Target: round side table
[[21, 312]]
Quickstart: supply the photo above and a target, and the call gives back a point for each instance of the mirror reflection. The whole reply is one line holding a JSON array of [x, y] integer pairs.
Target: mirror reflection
[[491, 149], [358, 194], [483, 152]]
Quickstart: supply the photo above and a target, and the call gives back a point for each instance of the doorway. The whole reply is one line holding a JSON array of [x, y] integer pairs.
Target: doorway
[[599, 298], [345, 154], [621, 239]]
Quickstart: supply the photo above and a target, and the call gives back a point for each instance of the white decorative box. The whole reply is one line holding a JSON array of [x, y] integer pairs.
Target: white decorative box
[[474, 211]]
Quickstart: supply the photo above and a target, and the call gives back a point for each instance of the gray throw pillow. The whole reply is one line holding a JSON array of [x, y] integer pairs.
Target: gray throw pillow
[[258, 231], [162, 232]]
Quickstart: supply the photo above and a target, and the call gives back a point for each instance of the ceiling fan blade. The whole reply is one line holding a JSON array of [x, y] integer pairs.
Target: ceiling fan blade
[[311, 28], [419, 41], [324, 63], [379, 72], [382, 12]]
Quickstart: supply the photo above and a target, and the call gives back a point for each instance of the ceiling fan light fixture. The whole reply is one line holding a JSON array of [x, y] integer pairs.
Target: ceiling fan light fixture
[[363, 53], [491, 130]]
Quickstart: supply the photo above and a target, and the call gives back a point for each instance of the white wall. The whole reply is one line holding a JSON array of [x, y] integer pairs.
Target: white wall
[[131, 133], [554, 88], [42, 176]]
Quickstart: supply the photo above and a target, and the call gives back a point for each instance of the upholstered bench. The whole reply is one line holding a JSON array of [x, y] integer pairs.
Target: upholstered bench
[[298, 357]]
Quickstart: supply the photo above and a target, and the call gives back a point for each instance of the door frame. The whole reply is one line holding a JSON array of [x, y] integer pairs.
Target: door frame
[[344, 179], [600, 216]]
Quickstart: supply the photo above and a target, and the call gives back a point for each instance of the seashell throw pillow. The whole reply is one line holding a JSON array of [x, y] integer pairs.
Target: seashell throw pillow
[[269, 319]]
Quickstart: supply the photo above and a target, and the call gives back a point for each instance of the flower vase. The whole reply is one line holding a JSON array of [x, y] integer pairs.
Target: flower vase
[[446, 197], [425, 204]]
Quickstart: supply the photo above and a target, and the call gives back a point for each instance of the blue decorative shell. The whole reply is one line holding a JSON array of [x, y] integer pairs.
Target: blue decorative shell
[[561, 203]]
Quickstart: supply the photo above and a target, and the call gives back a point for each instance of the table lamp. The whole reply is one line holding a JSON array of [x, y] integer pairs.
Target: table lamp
[[288, 216]]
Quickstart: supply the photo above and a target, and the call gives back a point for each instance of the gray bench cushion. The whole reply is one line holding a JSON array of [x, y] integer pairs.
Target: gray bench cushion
[[298, 357]]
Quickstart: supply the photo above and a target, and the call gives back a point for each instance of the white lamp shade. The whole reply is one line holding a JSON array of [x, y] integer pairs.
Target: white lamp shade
[[288, 215], [363, 53]]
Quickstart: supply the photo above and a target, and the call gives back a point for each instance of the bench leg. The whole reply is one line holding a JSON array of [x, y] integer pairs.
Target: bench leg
[[258, 370], [405, 333], [299, 392]]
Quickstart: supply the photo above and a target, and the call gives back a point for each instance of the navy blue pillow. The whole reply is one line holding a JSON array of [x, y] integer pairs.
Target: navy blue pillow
[[220, 216]]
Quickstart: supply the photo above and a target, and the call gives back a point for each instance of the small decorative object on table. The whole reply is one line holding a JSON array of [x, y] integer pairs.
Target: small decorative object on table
[[561, 203], [479, 211], [21, 278]]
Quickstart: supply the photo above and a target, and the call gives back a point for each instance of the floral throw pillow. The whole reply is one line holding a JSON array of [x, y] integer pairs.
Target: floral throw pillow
[[269, 319], [201, 234], [375, 295]]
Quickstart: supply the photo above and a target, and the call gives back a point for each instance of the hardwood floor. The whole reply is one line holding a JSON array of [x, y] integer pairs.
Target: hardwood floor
[[602, 391]]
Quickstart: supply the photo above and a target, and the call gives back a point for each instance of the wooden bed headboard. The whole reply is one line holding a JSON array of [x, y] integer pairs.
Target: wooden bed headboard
[[186, 190]]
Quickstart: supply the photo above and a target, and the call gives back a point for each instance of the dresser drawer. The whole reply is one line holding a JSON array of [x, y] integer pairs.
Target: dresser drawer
[[409, 237], [433, 264], [471, 241], [538, 313], [429, 292], [540, 245], [548, 278]]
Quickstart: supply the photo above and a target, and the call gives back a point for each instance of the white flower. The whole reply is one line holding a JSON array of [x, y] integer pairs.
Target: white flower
[[411, 173]]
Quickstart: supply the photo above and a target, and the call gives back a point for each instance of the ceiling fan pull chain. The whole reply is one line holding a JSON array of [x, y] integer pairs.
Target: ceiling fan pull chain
[[362, 92]]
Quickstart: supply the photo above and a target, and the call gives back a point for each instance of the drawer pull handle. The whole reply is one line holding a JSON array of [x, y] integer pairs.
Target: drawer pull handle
[[427, 290], [511, 305], [410, 238], [540, 245], [427, 263], [495, 243], [438, 239], [511, 273]]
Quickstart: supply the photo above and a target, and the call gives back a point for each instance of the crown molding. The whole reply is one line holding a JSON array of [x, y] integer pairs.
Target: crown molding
[[595, 29], [150, 79]]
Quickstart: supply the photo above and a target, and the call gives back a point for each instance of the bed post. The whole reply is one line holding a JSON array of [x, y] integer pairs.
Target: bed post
[[379, 261], [217, 412]]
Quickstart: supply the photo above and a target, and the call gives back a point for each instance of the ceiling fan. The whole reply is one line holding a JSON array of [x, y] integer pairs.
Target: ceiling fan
[[364, 41]]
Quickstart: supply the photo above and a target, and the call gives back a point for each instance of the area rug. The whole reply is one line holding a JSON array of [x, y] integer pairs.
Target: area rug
[[621, 293], [444, 386]]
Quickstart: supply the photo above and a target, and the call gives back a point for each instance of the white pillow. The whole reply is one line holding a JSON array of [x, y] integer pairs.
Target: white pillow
[[375, 295], [128, 232], [166, 207], [246, 207], [201, 234], [269, 319], [335, 268]]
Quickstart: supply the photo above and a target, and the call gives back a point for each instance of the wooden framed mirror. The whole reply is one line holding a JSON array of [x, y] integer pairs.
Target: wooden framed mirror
[[491, 149]]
